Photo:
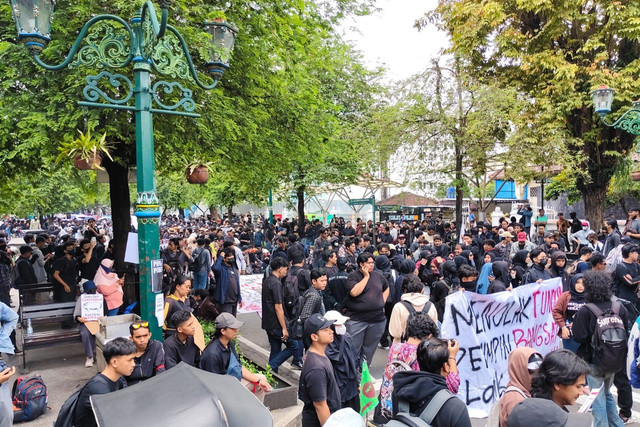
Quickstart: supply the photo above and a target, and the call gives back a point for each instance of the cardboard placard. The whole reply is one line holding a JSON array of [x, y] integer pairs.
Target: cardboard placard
[[91, 306]]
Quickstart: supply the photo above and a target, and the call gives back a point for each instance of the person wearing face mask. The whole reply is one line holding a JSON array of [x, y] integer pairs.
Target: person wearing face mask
[[65, 273], [538, 271], [227, 294], [343, 355]]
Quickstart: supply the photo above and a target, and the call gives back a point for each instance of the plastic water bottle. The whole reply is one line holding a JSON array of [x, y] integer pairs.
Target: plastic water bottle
[[29, 327]]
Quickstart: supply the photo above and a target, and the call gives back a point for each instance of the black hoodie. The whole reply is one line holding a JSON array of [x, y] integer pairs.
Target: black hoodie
[[418, 388]]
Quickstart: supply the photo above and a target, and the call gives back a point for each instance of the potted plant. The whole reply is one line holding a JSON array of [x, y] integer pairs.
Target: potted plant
[[85, 151], [198, 172]]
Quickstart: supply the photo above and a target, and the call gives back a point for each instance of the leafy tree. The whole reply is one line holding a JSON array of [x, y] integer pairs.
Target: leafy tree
[[282, 96], [556, 53]]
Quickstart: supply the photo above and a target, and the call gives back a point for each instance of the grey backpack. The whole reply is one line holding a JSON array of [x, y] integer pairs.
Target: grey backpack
[[425, 419]]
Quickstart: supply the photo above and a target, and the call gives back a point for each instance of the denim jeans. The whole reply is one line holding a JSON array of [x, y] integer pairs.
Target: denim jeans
[[278, 356], [604, 409], [200, 280]]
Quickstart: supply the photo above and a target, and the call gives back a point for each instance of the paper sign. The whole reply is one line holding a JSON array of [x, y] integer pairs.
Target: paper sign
[[198, 337], [92, 326], [159, 311], [156, 275], [131, 252], [489, 327], [91, 306]]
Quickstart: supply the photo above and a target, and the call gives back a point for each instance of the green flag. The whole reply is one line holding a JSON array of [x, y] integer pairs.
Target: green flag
[[368, 400]]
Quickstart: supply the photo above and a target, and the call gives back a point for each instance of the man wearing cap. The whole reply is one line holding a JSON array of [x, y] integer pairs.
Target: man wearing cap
[[220, 357], [523, 244], [318, 388], [548, 239], [504, 246]]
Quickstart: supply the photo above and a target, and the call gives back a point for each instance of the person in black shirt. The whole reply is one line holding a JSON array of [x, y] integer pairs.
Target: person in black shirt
[[627, 275], [368, 292], [118, 355], [274, 321], [65, 273], [180, 346], [318, 388], [149, 358], [88, 261], [26, 273], [220, 356]]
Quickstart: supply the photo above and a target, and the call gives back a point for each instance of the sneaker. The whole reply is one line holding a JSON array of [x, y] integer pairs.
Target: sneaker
[[384, 347], [629, 420], [296, 365], [89, 362]]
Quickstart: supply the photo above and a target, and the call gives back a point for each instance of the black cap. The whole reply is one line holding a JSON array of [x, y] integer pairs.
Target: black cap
[[316, 322]]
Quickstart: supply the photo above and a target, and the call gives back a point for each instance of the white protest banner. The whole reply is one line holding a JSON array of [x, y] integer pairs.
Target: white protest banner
[[489, 327], [91, 306]]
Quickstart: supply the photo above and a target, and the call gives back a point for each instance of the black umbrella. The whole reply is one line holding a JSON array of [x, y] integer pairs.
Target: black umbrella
[[182, 396]]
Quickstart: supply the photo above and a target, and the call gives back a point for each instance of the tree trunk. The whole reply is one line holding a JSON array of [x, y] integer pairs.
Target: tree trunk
[[120, 209], [213, 212], [230, 212], [300, 196], [623, 205], [594, 199], [459, 192]]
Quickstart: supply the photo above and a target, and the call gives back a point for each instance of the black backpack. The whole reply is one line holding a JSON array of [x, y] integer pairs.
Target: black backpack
[[291, 293], [425, 419], [412, 312], [196, 264], [609, 340], [29, 398], [295, 327]]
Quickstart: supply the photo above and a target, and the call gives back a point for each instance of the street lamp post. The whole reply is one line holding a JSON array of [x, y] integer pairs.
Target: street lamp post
[[150, 46], [628, 122]]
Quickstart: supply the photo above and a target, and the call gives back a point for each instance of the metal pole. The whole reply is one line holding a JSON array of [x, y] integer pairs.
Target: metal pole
[[270, 207], [147, 210], [373, 207]]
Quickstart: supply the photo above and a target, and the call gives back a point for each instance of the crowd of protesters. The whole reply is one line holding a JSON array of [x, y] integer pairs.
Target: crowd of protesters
[[332, 294]]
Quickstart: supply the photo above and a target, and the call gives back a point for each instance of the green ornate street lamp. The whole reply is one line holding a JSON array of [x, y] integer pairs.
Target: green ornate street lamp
[[112, 43], [628, 122]]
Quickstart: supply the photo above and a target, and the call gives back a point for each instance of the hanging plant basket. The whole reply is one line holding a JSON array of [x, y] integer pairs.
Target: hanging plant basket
[[91, 163], [635, 176], [198, 174]]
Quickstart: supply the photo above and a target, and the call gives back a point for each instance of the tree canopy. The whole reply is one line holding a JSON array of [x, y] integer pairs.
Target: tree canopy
[[555, 53]]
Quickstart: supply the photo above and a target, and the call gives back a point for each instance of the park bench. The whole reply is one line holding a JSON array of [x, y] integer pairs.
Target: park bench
[[46, 317]]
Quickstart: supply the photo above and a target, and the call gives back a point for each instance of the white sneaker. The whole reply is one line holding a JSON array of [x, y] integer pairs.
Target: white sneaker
[[631, 420], [89, 362]]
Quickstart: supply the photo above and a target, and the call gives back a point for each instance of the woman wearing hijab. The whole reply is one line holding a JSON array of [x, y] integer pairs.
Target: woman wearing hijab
[[523, 364], [383, 265], [557, 268], [441, 288], [484, 279], [468, 256], [566, 307], [110, 286], [520, 263], [501, 277]]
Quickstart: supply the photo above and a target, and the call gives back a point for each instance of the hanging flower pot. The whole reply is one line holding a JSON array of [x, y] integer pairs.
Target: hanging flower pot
[[197, 174], [90, 163], [635, 176]]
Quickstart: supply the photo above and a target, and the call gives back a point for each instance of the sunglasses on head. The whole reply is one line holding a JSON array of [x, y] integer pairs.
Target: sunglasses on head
[[140, 324]]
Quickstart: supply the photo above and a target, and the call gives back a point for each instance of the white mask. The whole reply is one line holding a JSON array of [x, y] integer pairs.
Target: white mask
[[341, 329]]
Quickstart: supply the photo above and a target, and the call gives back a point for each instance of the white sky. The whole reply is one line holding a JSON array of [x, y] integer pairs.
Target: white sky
[[389, 38]]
